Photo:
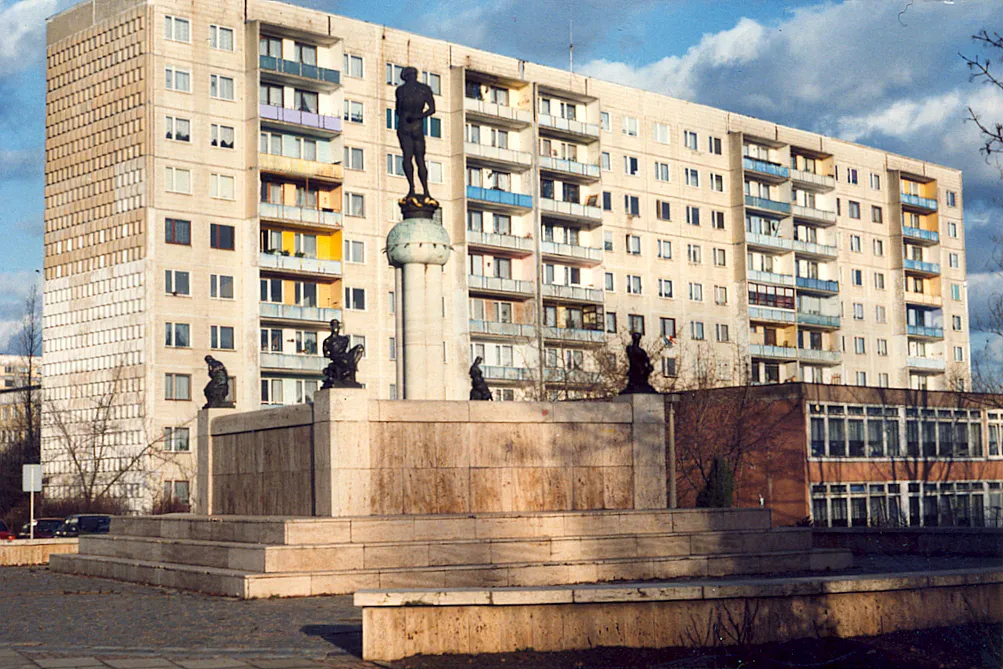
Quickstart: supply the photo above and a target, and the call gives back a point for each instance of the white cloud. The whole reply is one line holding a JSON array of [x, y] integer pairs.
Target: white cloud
[[14, 288], [22, 25]]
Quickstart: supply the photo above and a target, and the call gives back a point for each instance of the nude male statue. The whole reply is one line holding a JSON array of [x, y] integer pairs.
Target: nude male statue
[[414, 104]]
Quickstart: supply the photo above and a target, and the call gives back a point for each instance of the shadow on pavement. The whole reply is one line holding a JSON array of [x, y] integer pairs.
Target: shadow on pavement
[[345, 637]]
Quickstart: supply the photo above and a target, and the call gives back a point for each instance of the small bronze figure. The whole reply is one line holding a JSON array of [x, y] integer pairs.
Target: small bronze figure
[[640, 368], [478, 386], [415, 103], [218, 387], [344, 361]]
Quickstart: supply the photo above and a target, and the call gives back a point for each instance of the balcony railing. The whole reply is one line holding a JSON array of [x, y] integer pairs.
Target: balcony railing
[[577, 293], [572, 251], [497, 373], [758, 313], [920, 234], [293, 362], [510, 156], [297, 69], [499, 285], [768, 205], [815, 249], [577, 335], [767, 351], [813, 214], [590, 130], [571, 209], [931, 364], [282, 212], [764, 167], [921, 266], [569, 167], [919, 202], [294, 312], [925, 331], [819, 320], [500, 197], [570, 376], [522, 244], [307, 119], [816, 355], [300, 167], [509, 114], [923, 298], [820, 285], [497, 329], [769, 277], [812, 179], [283, 263], [769, 241]]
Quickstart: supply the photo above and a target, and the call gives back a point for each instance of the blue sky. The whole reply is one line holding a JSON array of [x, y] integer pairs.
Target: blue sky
[[880, 72]]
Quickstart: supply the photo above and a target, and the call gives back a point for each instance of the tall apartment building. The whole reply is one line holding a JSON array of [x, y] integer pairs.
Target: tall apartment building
[[221, 177]]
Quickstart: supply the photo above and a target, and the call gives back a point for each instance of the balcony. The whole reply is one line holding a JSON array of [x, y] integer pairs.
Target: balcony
[[314, 124], [497, 329], [293, 312], [574, 335], [774, 206], [818, 320], [813, 215], [776, 352], [817, 285], [500, 199], [921, 236], [493, 284], [519, 246], [492, 155], [289, 362], [308, 169], [817, 356], [924, 299], [562, 127], [815, 249], [315, 266], [772, 172], [497, 373], [572, 293], [926, 364], [769, 277], [577, 377], [564, 252], [921, 267], [304, 215], [571, 211], [769, 242], [926, 331], [770, 314], [570, 168], [924, 204], [508, 117], [811, 181], [295, 73]]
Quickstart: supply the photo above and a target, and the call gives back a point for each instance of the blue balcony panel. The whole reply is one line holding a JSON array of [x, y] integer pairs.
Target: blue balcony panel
[[501, 197], [821, 285]]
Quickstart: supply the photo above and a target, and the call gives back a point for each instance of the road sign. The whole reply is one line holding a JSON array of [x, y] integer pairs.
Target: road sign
[[31, 478]]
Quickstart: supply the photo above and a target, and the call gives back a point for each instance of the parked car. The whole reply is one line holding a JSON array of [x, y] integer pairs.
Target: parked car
[[78, 524], [5, 534], [45, 528]]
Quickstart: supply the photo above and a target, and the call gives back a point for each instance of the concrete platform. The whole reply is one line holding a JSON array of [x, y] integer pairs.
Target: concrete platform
[[25, 552]]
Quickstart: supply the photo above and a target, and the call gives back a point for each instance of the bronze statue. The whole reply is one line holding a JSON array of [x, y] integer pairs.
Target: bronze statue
[[478, 386], [640, 368], [415, 103], [218, 387], [344, 361]]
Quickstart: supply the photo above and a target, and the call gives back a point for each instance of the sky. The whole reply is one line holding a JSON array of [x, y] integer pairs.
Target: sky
[[885, 73]]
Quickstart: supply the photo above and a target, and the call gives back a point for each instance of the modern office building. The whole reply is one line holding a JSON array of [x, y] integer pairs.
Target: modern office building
[[221, 177]]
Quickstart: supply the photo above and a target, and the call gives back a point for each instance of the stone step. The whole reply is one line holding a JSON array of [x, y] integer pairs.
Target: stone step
[[236, 583], [368, 529], [261, 558]]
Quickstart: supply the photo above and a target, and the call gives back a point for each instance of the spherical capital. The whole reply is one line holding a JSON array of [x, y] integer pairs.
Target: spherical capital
[[418, 240]]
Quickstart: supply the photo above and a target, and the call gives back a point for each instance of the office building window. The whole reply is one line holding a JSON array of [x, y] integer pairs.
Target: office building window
[[633, 245], [696, 331], [354, 251], [956, 323], [355, 299], [663, 172], [221, 136], [690, 139], [221, 337], [355, 158], [221, 186], [696, 292], [693, 253], [956, 292], [176, 439], [692, 177], [221, 236], [954, 260], [720, 259], [664, 249], [221, 87], [877, 215], [952, 198], [355, 204], [720, 295], [879, 247], [631, 165], [221, 286], [177, 335], [177, 231], [220, 38], [633, 284], [857, 277], [604, 121], [664, 288], [879, 280], [607, 240], [176, 79], [882, 346], [632, 205], [859, 346], [611, 322], [858, 311], [855, 243], [861, 378], [661, 133], [177, 180], [177, 282], [636, 323], [605, 162], [721, 330], [881, 314], [714, 145], [693, 215], [662, 210], [177, 30], [178, 387], [717, 220], [716, 182], [629, 126], [854, 209], [178, 129]]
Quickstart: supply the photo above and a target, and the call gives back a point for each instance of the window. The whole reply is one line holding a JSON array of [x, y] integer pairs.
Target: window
[[220, 87], [604, 121], [355, 158], [221, 186], [664, 248], [854, 209], [176, 439], [355, 299], [696, 330], [696, 292], [221, 136], [176, 79], [633, 284], [271, 391], [721, 330], [692, 177], [690, 140], [694, 253], [717, 220], [668, 367], [956, 292], [956, 323], [661, 133], [221, 38], [306, 53], [306, 101], [178, 129], [851, 175], [221, 236], [305, 294], [355, 204], [607, 240], [355, 251], [876, 215], [882, 347], [271, 291], [667, 328], [221, 337], [221, 286], [954, 260], [270, 95], [394, 74], [857, 277], [630, 165], [720, 259], [879, 280], [883, 382], [714, 145], [881, 313], [177, 335], [693, 215], [177, 180], [662, 210], [632, 205], [855, 244], [959, 354], [629, 126], [633, 245], [177, 282], [875, 181], [610, 322], [434, 81], [861, 381], [720, 295], [662, 172], [664, 288], [604, 161], [859, 346], [716, 182], [952, 199], [177, 30], [177, 231], [952, 230], [178, 387], [635, 323], [354, 112], [879, 247]]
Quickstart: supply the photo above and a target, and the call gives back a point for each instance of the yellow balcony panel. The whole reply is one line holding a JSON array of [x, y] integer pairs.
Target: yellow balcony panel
[[309, 169]]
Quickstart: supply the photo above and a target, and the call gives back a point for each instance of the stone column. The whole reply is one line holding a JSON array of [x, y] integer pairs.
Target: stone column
[[648, 445], [203, 460]]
